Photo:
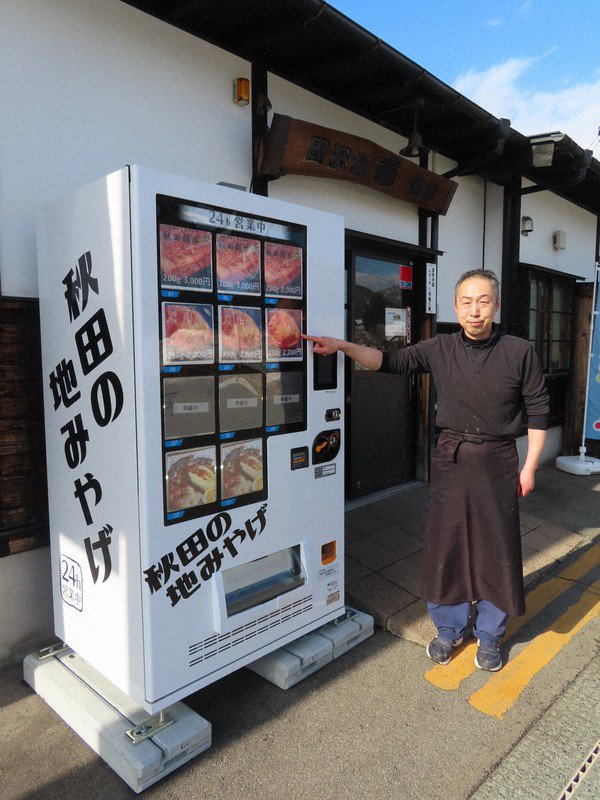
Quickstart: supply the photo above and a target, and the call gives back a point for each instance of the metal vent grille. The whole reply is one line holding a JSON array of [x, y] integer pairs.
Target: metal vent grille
[[218, 643], [581, 773]]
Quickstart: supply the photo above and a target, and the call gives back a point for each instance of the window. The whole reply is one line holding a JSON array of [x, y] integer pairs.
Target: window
[[549, 329], [550, 317]]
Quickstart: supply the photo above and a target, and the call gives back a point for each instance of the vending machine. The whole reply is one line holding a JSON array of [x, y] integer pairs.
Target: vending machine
[[195, 468]]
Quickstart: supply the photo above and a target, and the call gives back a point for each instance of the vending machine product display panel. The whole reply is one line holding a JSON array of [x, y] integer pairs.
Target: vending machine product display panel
[[251, 273], [193, 519]]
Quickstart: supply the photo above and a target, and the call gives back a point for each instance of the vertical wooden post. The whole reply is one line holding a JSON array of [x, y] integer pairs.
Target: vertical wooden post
[[511, 316], [259, 86]]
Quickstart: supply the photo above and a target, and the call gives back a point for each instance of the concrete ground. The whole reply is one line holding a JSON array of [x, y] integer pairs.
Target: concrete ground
[[382, 721]]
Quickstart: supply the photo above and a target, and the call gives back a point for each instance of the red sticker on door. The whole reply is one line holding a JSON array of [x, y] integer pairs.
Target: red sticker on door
[[405, 277]]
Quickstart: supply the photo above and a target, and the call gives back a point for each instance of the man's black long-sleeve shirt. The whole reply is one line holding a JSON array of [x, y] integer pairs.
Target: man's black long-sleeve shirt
[[495, 389]]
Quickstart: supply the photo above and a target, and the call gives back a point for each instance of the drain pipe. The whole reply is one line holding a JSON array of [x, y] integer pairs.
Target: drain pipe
[[472, 164]]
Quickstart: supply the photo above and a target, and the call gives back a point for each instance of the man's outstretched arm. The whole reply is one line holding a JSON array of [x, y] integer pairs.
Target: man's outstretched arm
[[367, 357]]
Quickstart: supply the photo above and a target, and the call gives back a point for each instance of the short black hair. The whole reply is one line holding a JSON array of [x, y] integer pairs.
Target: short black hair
[[479, 273]]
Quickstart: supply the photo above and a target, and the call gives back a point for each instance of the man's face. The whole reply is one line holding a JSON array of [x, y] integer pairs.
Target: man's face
[[476, 307]]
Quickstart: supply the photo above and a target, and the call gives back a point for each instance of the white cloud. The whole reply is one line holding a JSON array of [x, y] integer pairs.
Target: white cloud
[[494, 23], [503, 89]]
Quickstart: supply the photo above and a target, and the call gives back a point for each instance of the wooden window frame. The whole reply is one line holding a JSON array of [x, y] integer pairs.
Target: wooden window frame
[[558, 378], [547, 335]]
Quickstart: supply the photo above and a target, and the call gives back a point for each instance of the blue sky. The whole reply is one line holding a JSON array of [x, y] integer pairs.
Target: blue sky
[[537, 63]]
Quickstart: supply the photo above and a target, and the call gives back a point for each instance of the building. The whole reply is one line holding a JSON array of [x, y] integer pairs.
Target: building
[[92, 86]]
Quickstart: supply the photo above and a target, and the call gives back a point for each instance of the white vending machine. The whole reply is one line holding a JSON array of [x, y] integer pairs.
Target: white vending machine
[[194, 443]]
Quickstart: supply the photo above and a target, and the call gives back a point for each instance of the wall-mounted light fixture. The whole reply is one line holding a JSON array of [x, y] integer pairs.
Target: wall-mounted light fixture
[[559, 240], [241, 91], [526, 226], [414, 147], [543, 148]]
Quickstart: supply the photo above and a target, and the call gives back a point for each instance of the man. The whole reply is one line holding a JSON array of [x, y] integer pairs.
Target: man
[[488, 385]]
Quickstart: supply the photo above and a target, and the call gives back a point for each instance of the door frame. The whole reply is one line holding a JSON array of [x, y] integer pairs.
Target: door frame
[[423, 327]]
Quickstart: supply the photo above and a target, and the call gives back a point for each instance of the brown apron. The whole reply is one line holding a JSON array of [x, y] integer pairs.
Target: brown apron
[[472, 547]]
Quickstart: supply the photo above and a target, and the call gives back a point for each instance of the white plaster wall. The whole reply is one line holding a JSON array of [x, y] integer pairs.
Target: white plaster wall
[[27, 623], [461, 239], [493, 228], [89, 86], [363, 209], [551, 213]]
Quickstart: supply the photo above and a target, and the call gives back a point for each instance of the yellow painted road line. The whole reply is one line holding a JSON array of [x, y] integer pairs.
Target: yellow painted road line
[[503, 688], [453, 674], [462, 665]]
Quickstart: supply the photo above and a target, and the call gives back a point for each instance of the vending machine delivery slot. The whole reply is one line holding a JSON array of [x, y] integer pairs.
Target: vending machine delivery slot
[[266, 578]]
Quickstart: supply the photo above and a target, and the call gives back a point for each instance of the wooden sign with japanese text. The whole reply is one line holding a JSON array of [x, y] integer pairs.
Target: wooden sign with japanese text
[[294, 147]]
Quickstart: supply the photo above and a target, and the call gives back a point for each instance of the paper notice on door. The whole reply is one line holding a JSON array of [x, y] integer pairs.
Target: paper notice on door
[[395, 322]]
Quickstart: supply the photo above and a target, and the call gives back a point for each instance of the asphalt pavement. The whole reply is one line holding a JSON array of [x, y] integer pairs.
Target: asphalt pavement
[[381, 721]]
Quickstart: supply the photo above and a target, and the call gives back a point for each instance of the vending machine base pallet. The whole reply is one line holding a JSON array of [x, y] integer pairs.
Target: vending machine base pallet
[[141, 750], [289, 665]]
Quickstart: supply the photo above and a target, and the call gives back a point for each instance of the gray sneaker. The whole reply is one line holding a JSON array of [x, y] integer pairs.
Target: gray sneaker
[[488, 656], [440, 650]]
